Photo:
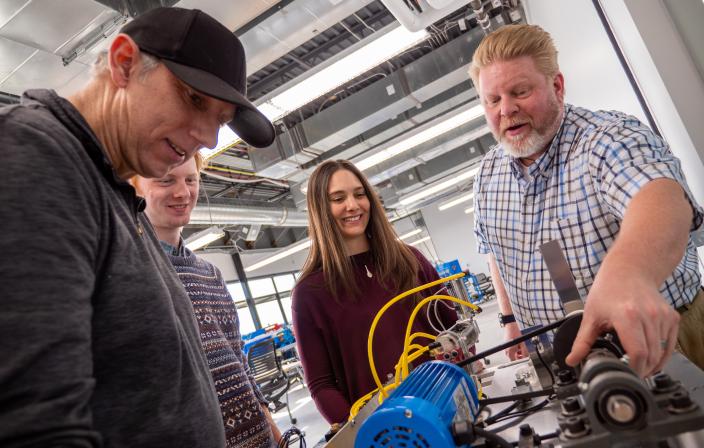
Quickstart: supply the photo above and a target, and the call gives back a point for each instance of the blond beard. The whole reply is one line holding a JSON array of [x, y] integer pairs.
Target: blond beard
[[537, 140]]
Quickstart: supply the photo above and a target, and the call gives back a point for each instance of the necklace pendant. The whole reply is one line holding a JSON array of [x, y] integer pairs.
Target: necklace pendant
[[369, 273]]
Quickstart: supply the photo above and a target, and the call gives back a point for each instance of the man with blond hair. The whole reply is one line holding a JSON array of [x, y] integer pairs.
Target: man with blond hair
[[602, 184], [169, 203], [99, 344]]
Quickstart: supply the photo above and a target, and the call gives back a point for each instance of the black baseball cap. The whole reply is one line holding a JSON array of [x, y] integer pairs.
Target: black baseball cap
[[204, 54]]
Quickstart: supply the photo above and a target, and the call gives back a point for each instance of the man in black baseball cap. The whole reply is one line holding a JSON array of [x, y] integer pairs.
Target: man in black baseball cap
[[108, 352], [208, 57]]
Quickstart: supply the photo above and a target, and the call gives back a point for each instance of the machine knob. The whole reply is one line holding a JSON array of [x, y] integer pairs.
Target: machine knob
[[621, 408]]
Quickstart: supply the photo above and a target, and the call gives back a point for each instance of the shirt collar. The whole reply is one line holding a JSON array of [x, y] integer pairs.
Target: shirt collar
[[178, 251]]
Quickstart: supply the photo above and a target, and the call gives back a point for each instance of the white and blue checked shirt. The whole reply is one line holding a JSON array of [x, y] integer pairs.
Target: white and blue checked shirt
[[576, 192]]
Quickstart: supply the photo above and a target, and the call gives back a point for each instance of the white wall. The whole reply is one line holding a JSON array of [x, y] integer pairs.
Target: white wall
[[452, 236], [593, 75], [668, 77], [224, 262]]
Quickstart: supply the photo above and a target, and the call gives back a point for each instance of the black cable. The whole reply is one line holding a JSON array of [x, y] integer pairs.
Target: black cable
[[512, 342], [516, 397], [287, 438], [513, 423], [493, 418], [490, 436], [542, 361], [523, 412]]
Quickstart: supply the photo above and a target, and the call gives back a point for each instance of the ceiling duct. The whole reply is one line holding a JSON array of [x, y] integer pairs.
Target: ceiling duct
[[420, 176], [134, 8], [292, 26], [416, 15], [240, 215], [404, 89]]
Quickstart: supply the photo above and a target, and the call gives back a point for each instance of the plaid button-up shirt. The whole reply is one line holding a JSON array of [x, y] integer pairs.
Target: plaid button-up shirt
[[576, 192]]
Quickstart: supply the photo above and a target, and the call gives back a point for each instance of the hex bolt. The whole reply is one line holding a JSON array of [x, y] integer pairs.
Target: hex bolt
[[571, 405], [663, 381], [680, 400], [565, 376], [575, 427]]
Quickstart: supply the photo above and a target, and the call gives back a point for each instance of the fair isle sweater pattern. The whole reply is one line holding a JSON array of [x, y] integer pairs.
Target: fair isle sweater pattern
[[240, 400]]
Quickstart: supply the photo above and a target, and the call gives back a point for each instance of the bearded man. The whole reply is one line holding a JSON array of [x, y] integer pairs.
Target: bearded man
[[603, 185]]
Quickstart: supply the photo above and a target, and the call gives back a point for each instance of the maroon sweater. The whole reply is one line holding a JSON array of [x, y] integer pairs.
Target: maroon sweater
[[332, 335]]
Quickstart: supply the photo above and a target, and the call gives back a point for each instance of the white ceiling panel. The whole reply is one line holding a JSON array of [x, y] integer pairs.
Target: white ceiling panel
[[9, 8], [52, 22], [233, 17], [43, 70], [12, 55]]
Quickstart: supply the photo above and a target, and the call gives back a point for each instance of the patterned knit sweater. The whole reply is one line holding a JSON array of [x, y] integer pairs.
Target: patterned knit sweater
[[241, 402]]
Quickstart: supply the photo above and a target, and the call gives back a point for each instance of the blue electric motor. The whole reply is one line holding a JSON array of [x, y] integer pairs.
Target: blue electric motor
[[419, 413]]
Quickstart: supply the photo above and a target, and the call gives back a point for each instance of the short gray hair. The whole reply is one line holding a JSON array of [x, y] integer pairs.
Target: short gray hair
[[149, 63]]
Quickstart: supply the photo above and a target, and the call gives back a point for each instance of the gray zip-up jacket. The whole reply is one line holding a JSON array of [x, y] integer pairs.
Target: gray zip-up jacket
[[98, 343]]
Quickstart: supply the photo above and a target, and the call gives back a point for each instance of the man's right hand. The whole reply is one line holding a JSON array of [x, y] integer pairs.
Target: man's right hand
[[518, 351]]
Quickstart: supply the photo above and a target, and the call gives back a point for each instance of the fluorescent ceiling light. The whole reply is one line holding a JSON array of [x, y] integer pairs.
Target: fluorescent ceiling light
[[279, 255], [439, 187], [204, 237], [422, 240], [453, 202], [226, 138], [349, 67], [410, 234], [469, 210], [421, 137]]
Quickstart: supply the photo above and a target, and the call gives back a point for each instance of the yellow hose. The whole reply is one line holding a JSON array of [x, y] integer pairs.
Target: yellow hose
[[406, 343], [381, 312]]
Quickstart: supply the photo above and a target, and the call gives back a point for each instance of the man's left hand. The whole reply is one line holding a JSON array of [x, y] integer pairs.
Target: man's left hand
[[645, 324]]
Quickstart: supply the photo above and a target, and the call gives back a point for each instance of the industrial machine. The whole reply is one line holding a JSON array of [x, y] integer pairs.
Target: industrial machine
[[600, 403]]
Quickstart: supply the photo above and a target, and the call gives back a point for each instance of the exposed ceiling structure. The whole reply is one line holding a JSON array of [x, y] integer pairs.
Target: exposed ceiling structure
[[411, 122]]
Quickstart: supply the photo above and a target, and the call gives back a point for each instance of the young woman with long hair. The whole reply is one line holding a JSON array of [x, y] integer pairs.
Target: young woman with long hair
[[356, 264]]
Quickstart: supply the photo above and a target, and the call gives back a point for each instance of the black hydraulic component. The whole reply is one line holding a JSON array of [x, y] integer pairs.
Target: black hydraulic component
[[614, 407]]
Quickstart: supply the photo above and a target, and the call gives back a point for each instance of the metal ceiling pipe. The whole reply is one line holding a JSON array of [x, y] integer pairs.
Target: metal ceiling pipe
[[240, 215], [482, 15]]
